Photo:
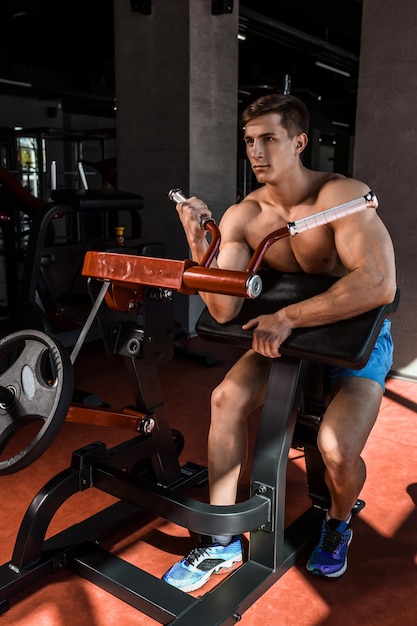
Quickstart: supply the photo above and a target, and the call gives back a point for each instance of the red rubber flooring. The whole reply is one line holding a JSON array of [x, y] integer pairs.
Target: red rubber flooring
[[379, 587]]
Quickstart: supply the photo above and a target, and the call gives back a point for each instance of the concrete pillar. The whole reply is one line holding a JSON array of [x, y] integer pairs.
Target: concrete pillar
[[176, 93], [386, 148]]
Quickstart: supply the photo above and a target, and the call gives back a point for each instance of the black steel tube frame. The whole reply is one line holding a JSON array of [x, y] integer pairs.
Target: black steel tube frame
[[273, 549]]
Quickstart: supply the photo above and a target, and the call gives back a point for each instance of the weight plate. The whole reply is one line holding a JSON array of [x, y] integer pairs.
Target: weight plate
[[36, 386]]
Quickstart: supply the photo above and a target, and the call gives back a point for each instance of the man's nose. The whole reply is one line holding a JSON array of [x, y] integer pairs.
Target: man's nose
[[255, 149]]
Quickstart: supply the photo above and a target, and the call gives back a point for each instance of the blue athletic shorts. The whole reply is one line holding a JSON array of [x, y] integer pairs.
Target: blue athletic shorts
[[378, 365]]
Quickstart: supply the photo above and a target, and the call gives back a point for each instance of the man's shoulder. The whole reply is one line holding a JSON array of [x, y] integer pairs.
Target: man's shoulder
[[249, 206], [336, 189], [240, 217]]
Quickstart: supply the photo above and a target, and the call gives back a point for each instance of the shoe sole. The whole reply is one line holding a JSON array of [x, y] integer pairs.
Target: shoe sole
[[340, 572], [218, 570]]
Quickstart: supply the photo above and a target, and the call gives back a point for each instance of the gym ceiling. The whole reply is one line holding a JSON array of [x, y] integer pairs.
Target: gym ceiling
[[64, 50]]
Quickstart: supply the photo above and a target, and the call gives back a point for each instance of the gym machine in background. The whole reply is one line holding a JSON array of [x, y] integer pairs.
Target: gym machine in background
[[43, 244]]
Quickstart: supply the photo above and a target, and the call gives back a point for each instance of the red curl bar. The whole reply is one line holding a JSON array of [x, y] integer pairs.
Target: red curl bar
[[128, 274]]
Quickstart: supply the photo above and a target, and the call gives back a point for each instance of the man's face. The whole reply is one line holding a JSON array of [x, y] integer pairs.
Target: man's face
[[270, 150]]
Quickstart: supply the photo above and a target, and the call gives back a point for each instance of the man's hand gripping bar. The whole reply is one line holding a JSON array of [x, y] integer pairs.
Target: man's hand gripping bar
[[207, 223]]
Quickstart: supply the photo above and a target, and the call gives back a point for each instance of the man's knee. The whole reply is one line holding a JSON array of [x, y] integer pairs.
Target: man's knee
[[339, 454], [227, 394], [230, 397], [344, 464]]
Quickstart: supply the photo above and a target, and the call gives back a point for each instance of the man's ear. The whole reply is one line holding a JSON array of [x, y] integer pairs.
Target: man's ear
[[301, 143]]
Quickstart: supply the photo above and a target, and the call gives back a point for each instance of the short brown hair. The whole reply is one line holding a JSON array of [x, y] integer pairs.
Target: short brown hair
[[294, 114]]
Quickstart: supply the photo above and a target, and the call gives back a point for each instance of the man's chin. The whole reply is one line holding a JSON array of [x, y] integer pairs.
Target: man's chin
[[261, 175]]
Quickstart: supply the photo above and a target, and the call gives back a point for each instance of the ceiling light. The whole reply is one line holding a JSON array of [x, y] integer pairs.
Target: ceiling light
[[332, 69], [15, 82]]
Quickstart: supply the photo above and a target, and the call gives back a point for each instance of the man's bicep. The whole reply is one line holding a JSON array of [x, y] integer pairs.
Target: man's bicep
[[233, 255], [362, 240]]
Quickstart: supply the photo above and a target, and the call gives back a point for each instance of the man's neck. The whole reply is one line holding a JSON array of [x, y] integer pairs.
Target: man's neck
[[292, 191]]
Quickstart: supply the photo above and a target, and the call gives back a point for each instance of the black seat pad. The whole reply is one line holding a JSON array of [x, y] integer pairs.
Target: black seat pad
[[348, 343]]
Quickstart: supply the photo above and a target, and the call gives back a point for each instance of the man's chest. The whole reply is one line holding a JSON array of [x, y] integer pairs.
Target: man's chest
[[311, 252]]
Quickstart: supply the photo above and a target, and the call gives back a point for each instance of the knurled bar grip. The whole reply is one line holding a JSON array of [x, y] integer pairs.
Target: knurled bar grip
[[176, 195], [325, 217]]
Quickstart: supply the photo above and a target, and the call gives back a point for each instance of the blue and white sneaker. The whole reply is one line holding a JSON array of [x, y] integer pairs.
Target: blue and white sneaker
[[329, 557], [208, 558]]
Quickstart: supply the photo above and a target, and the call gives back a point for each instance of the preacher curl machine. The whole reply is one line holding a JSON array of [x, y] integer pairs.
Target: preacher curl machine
[[36, 384]]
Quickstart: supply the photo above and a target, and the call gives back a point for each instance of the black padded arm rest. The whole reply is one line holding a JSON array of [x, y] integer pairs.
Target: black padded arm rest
[[348, 343], [98, 199]]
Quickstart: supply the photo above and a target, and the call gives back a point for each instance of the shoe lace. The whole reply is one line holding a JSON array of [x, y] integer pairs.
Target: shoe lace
[[332, 540], [196, 554]]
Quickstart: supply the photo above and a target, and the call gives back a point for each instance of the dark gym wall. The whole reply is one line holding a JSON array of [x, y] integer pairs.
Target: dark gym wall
[[386, 148], [176, 86]]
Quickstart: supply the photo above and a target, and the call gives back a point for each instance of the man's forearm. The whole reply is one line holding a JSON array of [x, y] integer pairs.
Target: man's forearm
[[349, 297]]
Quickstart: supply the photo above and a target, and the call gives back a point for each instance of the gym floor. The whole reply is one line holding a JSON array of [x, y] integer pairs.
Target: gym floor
[[379, 586]]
